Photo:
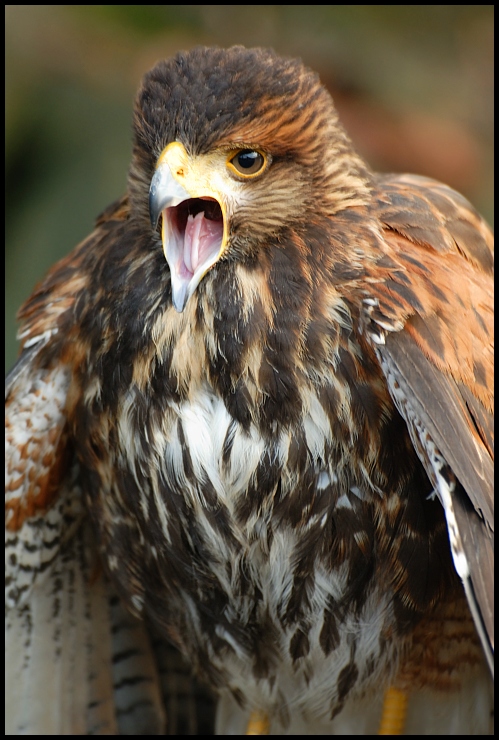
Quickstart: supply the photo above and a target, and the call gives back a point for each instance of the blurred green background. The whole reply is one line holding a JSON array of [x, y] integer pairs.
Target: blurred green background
[[413, 85]]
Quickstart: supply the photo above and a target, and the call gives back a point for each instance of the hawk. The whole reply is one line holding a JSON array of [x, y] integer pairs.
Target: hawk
[[252, 416]]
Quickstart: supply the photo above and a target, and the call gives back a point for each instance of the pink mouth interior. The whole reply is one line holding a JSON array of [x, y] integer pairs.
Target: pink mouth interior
[[199, 226]]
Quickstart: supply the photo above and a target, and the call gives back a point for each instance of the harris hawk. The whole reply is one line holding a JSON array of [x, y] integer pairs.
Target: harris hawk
[[252, 417]]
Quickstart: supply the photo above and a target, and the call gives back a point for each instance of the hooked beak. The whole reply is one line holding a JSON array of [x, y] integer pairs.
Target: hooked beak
[[193, 230]]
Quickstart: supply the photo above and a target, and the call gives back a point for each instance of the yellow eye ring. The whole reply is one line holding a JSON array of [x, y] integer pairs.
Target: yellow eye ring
[[247, 163]]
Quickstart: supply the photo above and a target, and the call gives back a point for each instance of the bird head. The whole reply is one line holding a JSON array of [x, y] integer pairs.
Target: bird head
[[233, 147]]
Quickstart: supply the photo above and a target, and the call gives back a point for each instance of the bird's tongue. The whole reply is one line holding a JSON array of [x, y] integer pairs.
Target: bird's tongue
[[202, 240], [192, 245]]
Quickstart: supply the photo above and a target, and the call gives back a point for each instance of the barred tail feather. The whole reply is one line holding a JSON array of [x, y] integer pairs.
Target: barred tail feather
[[76, 662]]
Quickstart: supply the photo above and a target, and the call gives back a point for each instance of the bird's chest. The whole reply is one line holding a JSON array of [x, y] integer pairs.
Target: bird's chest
[[253, 551], [243, 484], [254, 547]]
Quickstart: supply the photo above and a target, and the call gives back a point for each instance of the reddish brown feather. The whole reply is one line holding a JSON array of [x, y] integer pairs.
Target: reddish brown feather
[[332, 275]]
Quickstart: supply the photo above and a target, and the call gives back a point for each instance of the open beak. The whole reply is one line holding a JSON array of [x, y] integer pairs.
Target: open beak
[[193, 230]]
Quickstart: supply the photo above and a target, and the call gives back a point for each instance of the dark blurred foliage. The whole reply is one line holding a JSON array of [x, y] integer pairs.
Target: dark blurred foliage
[[413, 85]]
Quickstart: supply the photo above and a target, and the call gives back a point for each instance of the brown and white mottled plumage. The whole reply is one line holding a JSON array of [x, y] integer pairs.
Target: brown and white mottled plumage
[[279, 437]]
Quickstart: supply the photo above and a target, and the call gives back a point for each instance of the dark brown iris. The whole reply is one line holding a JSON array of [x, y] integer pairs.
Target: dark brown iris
[[248, 162]]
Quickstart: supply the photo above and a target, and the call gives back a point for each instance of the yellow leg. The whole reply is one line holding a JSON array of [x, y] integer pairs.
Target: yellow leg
[[394, 712], [258, 724]]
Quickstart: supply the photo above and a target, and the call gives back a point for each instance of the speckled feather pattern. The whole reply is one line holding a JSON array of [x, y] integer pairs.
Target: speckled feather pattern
[[268, 481]]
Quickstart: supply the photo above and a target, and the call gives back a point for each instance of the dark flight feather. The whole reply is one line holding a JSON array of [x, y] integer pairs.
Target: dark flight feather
[[287, 474]]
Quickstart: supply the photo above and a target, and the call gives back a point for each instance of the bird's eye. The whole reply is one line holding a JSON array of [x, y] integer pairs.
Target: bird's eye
[[247, 163]]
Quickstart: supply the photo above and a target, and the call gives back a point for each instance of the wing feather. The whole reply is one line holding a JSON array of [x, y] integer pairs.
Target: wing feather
[[43, 504], [429, 318], [435, 417], [76, 661]]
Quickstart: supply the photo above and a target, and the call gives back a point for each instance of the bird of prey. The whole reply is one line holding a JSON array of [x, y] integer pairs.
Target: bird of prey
[[252, 417]]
